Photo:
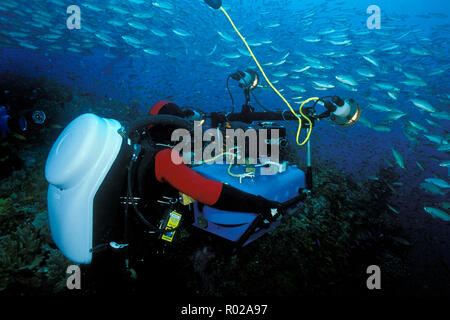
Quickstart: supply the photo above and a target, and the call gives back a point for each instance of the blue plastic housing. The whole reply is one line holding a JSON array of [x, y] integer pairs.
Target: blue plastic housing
[[280, 187]]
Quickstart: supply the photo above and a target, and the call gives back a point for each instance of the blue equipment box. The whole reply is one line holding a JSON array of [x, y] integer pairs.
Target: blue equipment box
[[280, 187]]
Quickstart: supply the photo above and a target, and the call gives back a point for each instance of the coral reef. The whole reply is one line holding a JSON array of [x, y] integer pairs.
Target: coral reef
[[29, 261]]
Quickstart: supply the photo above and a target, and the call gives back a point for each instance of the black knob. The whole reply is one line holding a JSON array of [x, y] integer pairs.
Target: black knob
[[215, 4], [338, 101]]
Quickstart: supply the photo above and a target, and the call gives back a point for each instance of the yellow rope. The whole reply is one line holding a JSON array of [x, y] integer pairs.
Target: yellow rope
[[271, 85]]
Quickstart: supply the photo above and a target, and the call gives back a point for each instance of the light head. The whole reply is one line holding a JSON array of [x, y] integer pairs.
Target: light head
[[347, 112], [248, 80]]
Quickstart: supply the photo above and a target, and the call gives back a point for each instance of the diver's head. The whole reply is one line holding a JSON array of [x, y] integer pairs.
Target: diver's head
[[170, 108], [163, 134], [166, 107]]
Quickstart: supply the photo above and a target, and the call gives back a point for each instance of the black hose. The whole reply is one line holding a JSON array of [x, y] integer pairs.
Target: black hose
[[125, 222], [131, 170], [229, 92], [257, 101], [131, 174], [320, 99]]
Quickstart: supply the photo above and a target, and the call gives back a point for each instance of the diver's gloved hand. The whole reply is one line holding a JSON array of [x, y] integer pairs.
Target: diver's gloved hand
[[270, 210], [232, 199]]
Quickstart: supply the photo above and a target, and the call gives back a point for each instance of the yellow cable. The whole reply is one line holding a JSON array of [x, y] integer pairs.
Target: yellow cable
[[309, 121], [231, 163], [271, 85]]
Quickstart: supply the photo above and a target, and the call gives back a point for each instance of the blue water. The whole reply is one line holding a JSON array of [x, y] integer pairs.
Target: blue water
[[183, 68]]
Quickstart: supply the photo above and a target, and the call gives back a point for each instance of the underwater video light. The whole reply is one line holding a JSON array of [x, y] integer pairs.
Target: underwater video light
[[215, 4], [347, 112], [248, 80], [342, 112]]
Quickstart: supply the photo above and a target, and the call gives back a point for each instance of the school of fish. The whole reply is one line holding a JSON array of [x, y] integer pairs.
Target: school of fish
[[398, 73]]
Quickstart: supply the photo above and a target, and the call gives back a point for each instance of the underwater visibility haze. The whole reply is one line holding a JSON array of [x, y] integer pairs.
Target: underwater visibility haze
[[377, 177]]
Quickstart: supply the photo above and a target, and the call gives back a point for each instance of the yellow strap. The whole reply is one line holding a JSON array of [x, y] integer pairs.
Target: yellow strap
[[271, 85]]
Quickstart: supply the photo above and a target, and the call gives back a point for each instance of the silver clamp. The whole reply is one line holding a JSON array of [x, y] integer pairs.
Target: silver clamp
[[306, 191], [168, 200], [136, 151], [127, 200], [122, 132], [116, 245]]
